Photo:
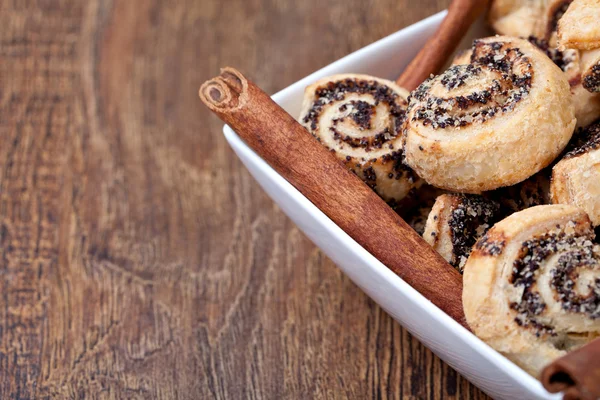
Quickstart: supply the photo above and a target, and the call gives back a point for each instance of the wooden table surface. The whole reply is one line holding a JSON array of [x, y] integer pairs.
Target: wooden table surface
[[138, 257]]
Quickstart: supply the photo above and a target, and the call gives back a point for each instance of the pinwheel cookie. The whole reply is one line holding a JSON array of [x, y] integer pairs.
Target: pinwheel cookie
[[359, 118], [531, 285], [491, 123], [576, 178]]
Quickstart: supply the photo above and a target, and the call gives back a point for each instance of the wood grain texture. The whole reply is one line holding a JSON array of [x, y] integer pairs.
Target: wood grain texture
[[138, 257]]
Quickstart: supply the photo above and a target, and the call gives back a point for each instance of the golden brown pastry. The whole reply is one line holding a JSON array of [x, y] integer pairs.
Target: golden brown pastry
[[576, 178], [519, 18], [579, 27], [579, 65], [492, 123], [462, 57], [524, 18], [455, 223], [568, 60], [506, 17], [359, 117], [553, 12], [585, 103], [532, 285]]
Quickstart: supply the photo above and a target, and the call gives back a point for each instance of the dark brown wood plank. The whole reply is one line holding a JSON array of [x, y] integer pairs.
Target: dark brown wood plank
[[138, 259]]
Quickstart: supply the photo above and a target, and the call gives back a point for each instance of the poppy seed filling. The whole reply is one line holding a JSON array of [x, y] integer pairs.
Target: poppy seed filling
[[505, 75], [591, 80], [584, 140], [576, 253], [359, 111], [470, 219]]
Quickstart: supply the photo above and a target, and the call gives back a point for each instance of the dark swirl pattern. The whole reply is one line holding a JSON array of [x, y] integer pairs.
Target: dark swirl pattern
[[584, 140], [532, 285], [573, 256], [491, 123], [360, 118], [566, 59], [456, 222], [358, 111], [500, 76], [576, 177]]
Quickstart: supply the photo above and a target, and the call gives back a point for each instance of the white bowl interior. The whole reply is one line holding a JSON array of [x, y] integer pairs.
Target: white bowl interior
[[489, 370]]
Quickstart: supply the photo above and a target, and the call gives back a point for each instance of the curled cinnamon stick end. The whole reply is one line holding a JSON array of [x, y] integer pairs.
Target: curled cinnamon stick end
[[576, 374], [296, 155], [226, 91]]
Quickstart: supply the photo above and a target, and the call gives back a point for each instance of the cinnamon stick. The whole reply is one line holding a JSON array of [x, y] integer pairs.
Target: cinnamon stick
[[295, 154], [432, 57], [576, 374]]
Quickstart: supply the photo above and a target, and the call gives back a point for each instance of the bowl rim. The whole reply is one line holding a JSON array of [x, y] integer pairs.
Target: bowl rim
[[377, 266]]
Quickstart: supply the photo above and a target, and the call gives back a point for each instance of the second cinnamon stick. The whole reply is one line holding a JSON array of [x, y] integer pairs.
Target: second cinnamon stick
[[576, 374], [435, 52], [295, 154]]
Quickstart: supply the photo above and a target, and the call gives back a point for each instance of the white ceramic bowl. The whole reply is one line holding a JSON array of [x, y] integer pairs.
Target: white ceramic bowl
[[475, 360]]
